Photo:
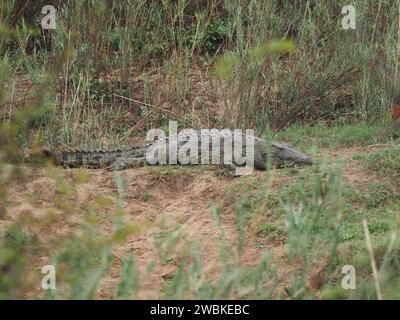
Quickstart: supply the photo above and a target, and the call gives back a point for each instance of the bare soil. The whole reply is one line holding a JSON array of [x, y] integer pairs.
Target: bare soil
[[185, 198]]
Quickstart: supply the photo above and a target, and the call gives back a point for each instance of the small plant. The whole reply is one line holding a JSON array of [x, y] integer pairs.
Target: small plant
[[147, 196]]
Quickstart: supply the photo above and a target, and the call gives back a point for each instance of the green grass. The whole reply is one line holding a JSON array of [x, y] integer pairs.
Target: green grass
[[303, 213], [384, 162], [331, 136]]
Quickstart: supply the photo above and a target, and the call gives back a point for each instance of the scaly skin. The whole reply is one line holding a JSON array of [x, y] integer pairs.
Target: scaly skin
[[118, 159]]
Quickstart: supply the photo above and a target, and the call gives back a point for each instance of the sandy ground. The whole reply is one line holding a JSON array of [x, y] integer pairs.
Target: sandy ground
[[184, 198]]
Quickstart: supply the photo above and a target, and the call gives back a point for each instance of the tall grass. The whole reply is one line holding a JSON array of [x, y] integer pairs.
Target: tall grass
[[333, 72], [115, 58]]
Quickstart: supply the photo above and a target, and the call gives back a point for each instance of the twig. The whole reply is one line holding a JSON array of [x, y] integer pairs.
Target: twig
[[372, 258], [147, 116], [388, 251], [376, 145], [396, 71], [143, 103]]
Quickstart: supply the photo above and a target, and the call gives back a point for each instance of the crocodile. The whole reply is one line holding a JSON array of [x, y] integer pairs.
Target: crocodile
[[121, 158]]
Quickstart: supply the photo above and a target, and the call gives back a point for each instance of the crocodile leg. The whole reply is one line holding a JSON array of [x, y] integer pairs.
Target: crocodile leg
[[125, 163]]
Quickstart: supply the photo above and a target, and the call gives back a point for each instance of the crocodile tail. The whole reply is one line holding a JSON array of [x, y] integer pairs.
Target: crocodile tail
[[92, 158], [48, 152]]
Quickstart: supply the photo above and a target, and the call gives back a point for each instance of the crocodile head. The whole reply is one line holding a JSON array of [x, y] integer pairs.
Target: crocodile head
[[290, 156]]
